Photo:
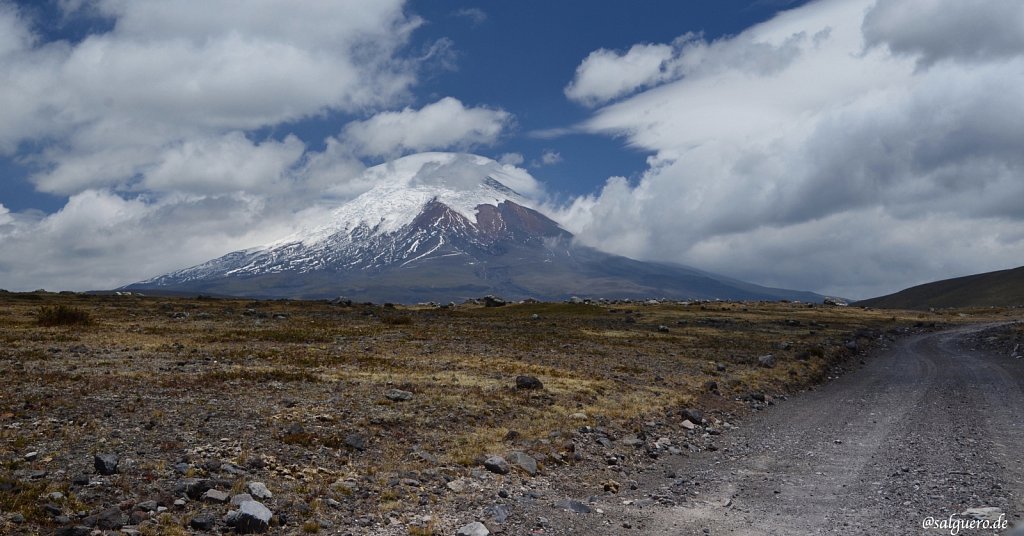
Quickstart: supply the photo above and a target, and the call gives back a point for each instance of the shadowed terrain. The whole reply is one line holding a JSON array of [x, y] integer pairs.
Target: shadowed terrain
[[1004, 288]]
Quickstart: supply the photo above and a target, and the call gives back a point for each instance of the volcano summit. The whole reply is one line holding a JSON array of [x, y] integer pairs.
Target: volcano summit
[[445, 227]]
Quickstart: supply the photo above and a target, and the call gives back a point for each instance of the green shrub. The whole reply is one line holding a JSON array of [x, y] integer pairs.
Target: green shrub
[[62, 315]]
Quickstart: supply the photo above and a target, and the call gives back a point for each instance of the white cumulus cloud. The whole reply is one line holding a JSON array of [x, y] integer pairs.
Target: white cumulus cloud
[[512, 159], [830, 148], [169, 72], [445, 124], [606, 74], [102, 240], [548, 157]]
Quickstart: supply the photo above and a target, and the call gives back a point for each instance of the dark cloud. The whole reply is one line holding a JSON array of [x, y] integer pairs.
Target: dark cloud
[[969, 30]]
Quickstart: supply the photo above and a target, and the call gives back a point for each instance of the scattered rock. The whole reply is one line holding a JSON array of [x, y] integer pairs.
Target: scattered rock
[[77, 530], [475, 528], [237, 500], [106, 464], [147, 506], [356, 441], [458, 486], [137, 517], [193, 488], [767, 361], [983, 513], [497, 464], [424, 455], [632, 442], [108, 519], [397, 395], [611, 486], [498, 512], [253, 518], [259, 490], [694, 415], [688, 425], [528, 382], [663, 329], [493, 301], [524, 461], [216, 496], [573, 506], [203, 521], [232, 469]]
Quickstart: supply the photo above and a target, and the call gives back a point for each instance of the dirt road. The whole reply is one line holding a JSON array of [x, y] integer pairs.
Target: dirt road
[[930, 428]]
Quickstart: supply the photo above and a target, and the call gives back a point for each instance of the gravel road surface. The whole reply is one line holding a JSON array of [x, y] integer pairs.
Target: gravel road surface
[[929, 428]]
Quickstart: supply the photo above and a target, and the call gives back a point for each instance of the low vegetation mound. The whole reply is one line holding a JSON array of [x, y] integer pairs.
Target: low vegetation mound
[[63, 315]]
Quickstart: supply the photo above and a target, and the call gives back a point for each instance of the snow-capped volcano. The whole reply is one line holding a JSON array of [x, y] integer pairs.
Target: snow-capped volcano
[[461, 182], [443, 226]]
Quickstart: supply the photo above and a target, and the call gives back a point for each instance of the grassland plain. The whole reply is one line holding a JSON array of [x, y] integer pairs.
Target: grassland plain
[[199, 393]]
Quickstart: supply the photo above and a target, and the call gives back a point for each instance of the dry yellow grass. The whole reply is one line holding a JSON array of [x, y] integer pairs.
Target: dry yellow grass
[[279, 378]]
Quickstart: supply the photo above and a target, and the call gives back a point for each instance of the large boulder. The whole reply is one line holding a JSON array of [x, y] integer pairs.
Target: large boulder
[[493, 301], [497, 464], [528, 382], [253, 518], [105, 464], [397, 395], [524, 461], [475, 528], [694, 415]]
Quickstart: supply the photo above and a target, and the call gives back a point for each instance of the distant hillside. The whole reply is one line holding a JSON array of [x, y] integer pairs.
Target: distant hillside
[[1000, 289]]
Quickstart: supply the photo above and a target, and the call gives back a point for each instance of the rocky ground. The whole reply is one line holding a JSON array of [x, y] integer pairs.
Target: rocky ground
[[179, 416]]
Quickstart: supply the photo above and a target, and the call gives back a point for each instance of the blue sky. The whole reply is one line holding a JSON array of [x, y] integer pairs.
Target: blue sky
[[850, 147]]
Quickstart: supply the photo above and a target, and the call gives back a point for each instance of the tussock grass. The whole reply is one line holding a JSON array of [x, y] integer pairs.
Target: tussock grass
[[63, 315]]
